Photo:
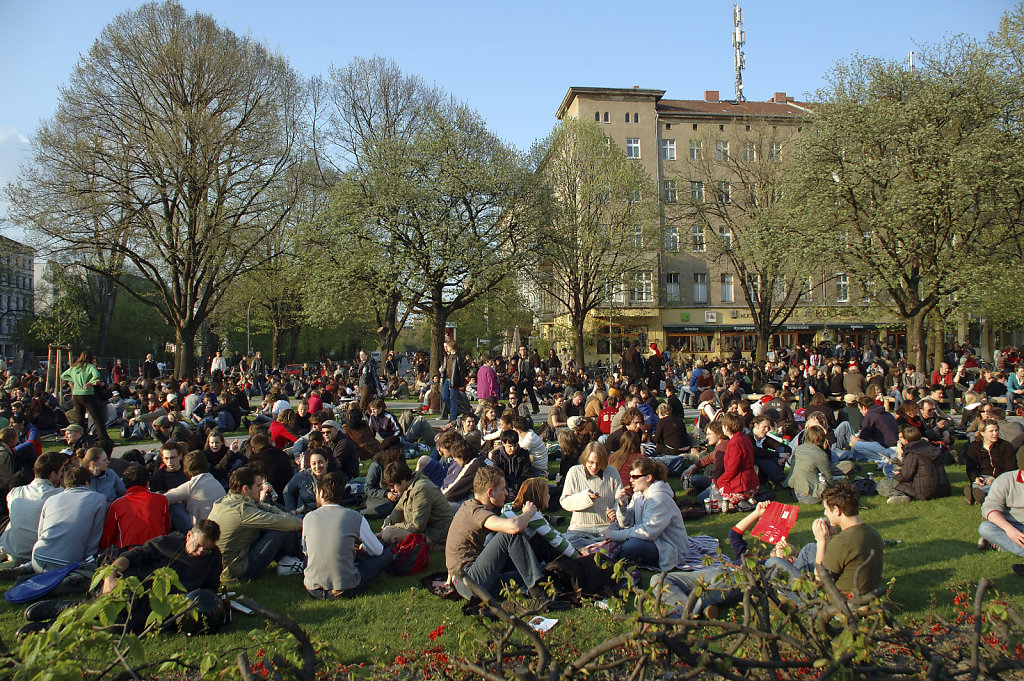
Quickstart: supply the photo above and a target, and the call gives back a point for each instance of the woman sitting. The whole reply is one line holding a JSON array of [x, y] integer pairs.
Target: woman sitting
[[281, 433], [547, 542], [650, 525], [300, 492], [458, 486], [570, 452], [812, 466], [738, 481], [360, 433], [377, 502], [623, 458], [589, 493], [200, 491]]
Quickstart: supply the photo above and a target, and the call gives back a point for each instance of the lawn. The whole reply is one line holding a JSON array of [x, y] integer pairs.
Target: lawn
[[937, 554]]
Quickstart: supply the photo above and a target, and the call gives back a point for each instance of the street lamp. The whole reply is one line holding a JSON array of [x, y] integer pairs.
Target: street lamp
[[248, 341]]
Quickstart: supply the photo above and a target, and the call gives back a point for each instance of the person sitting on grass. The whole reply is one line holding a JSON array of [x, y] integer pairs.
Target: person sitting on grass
[[512, 460], [255, 533], [70, 524], [812, 467], [104, 480], [419, 507], [547, 542], [920, 475], [589, 493], [342, 554], [300, 492], [856, 544], [650, 526], [458, 485], [199, 492], [1003, 513], [138, 515], [988, 457], [532, 443], [25, 503], [466, 555], [194, 556]]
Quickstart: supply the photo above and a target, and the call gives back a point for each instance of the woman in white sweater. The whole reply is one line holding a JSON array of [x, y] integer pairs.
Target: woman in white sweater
[[589, 493], [650, 525], [201, 490]]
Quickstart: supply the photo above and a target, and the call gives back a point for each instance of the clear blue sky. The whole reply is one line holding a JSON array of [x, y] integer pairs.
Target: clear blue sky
[[511, 61]]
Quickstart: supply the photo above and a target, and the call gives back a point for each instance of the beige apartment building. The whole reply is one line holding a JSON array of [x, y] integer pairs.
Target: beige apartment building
[[17, 285], [690, 299]]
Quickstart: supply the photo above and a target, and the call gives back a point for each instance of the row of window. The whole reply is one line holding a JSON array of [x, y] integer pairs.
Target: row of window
[[630, 118], [668, 150], [15, 280], [642, 288], [13, 303]]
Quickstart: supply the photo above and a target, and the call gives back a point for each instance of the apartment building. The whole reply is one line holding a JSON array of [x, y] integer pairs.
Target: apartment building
[[17, 285]]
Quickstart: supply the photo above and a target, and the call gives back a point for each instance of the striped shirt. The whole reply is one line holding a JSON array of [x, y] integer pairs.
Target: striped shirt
[[539, 526]]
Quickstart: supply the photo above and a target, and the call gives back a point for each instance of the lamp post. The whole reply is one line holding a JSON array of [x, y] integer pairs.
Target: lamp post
[[248, 341]]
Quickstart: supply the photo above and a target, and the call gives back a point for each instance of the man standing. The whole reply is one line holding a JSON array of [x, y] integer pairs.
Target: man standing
[[219, 363], [454, 376], [487, 385], [369, 380], [258, 374], [342, 554], [254, 533], [525, 375], [150, 371]]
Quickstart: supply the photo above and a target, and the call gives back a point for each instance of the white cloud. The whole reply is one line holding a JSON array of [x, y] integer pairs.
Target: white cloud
[[14, 150]]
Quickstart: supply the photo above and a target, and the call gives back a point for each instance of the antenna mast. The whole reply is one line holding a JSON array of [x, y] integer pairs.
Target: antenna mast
[[739, 39]]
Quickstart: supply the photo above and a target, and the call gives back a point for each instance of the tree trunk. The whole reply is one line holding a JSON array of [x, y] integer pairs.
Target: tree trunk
[[916, 351], [761, 349], [577, 339], [184, 352], [293, 341], [108, 299], [275, 342], [937, 339], [387, 326], [438, 319]]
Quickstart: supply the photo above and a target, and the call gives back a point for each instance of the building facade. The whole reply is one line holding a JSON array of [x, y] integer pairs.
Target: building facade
[[708, 150], [17, 286]]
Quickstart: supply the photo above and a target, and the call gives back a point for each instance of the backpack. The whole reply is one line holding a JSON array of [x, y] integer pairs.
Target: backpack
[[411, 555], [867, 488]]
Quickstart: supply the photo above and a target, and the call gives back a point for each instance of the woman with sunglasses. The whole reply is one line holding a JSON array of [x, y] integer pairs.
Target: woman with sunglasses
[[650, 526]]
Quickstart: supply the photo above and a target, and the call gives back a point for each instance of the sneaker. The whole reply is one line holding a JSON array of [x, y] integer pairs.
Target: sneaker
[[289, 569], [288, 560], [898, 499], [985, 545]]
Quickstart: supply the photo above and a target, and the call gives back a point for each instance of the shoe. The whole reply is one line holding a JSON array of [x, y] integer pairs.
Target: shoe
[[16, 571], [47, 611], [985, 545], [969, 495], [745, 506], [979, 495], [1018, 569], [289, 569], [31, 628], [898, 499]]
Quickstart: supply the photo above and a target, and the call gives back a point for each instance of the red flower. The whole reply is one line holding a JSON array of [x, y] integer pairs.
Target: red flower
[[436, 633]]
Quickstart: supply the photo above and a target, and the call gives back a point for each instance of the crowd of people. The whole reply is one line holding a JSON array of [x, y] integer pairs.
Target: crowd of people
[[812, 425]]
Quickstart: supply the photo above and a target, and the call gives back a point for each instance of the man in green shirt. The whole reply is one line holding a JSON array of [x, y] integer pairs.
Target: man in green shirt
[[842, 553]]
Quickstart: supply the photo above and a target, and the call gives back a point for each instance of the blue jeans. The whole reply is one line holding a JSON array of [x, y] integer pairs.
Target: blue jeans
[[771, 470], [368, 567], [873, 452], [678, 586], [801, 567], [451, 396], [493, 561], [995, 534], [640, 551], [675, 464], [181, 521], [268, 547]]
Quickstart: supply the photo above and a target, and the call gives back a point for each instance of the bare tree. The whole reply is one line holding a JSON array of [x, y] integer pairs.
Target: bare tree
[[191, 137]]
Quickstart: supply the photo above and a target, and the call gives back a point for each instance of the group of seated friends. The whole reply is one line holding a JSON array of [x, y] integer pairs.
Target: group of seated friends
[[218, 512]]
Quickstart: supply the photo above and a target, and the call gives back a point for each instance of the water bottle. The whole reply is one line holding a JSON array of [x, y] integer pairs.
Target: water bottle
[[715, 500], [686, 481], [821, 479]]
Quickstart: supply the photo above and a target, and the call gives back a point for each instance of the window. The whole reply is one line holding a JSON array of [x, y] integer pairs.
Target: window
[[779, 291], [636, 236], [668, 150], [597, 116], [627, 117], [636, 118], [749, 152], [726, 235], [775, 151], [605, 195], [728, 296], [697, 191], [672, 287], [632, 147], [697, 245], [696, 149], [700, 287], [721, 150], [613, 293], [643, 287], [635, 196], [672, 238], [669, 190], [606, 118], [869, 237], [842, 288], [724, 192]]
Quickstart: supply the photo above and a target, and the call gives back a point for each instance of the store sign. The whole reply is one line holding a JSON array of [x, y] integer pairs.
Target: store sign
[[684, 316]]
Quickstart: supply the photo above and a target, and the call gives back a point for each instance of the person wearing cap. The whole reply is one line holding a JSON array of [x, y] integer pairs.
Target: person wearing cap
[[344, 456], [75, 438], [168, 427], [850, 413]]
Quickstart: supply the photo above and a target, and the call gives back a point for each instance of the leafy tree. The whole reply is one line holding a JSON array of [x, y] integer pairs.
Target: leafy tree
[[64, 313], [604, 229], [914, 174], [746, 219], [451, 205], [186, 138]]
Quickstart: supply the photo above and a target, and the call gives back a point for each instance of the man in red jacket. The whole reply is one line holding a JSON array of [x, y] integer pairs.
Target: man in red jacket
[[139, 515]]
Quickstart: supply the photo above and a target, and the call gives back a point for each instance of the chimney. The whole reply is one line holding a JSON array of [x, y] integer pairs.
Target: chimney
[[711, 95], [779, 98], [636, 87]]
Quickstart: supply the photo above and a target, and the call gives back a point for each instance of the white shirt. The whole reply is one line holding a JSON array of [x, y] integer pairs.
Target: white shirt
[[532, 443]]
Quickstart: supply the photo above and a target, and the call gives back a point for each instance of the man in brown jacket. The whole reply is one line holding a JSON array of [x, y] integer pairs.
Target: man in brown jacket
[[419, 507]]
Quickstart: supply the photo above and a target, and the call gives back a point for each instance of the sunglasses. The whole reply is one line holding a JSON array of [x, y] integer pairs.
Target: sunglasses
[[634, 476]]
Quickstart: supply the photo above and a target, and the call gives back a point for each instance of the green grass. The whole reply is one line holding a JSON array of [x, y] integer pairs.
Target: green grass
[[938, 554]]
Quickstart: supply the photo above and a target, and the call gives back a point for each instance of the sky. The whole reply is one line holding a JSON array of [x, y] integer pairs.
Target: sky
[[512, 62]]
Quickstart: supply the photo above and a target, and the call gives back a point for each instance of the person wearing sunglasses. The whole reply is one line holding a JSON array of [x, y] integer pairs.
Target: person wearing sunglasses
[[649, 524]]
